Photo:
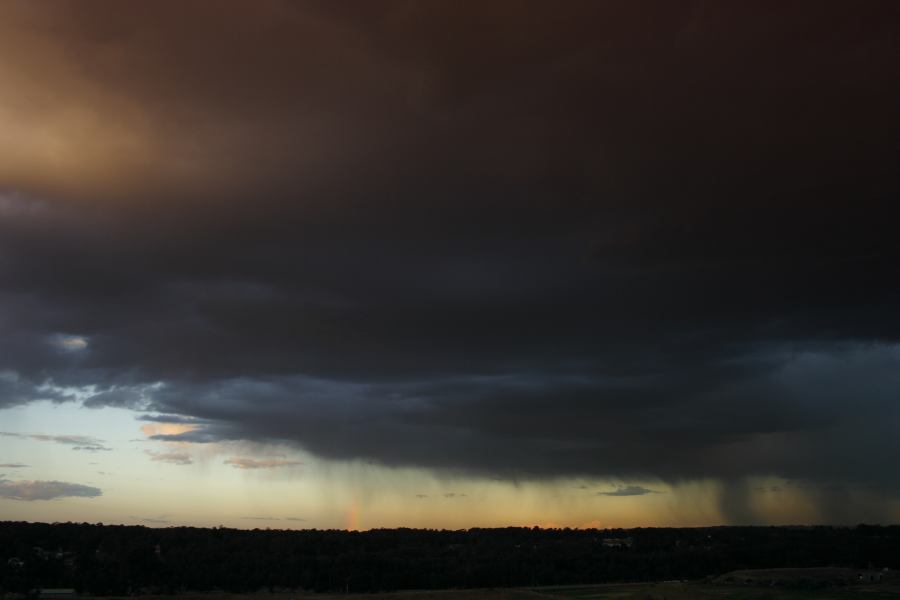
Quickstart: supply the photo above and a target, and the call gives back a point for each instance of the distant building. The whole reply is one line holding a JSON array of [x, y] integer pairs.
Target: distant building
[[869, 576]]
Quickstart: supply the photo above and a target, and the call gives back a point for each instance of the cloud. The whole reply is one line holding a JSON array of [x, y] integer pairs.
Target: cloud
[[45, 490], [170, 419], [515, 283], [136, 397], [251, 463], [175, 458], [77, 442], [193, 436], [69, 343], [12, 466], [629, 490]]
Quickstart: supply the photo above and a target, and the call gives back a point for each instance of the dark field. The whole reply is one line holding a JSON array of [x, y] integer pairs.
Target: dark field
[[700, 591], [889, 590], [195, 563]]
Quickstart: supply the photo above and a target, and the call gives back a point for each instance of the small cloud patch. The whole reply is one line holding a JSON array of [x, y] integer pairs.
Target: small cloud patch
[[77, 442], [192, 436], [45, 490], [629, 490], [69, 343], [12, 466], [170, 419], [173, 458], [162, 428], [251, 463]]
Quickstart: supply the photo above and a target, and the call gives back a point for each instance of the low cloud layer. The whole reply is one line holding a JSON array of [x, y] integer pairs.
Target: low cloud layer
[[175, 458], [644, 241], [45, 490], [252, 463], [297, 519], [629, 490], [77, 442]]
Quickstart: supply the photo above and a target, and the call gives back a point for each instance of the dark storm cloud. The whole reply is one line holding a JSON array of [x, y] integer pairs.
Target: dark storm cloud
[[624, 238]]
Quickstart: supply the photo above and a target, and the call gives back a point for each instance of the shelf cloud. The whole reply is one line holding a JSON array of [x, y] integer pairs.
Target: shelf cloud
[[642, 241]]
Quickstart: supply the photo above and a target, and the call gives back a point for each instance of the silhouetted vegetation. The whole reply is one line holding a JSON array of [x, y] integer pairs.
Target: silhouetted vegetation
[[117, 559]]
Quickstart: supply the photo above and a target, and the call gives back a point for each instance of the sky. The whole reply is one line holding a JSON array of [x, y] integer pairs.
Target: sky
[[443, 264]]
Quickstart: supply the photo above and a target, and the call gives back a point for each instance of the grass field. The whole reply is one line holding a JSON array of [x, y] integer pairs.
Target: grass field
[[628, 591], [712, 591]]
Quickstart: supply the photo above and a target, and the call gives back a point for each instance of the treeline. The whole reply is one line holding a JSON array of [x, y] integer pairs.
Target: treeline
[[118, 559]]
